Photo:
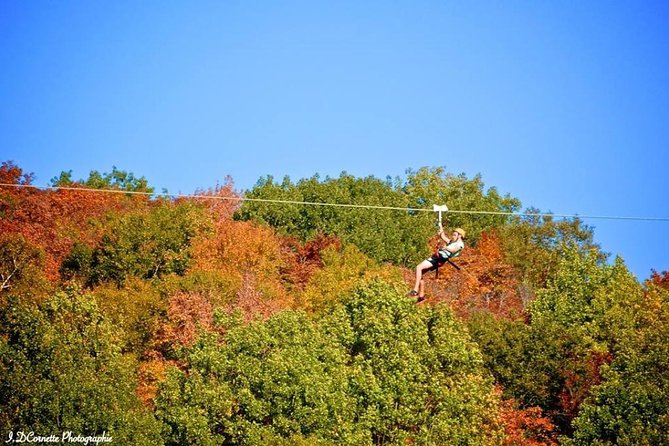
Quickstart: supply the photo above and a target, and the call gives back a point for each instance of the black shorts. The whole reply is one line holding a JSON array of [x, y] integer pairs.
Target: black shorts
[[436, 261]]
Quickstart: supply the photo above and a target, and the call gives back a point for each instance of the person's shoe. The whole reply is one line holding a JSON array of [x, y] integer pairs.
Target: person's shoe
[[412, 293]]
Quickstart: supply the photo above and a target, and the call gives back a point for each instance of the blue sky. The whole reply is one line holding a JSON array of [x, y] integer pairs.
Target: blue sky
[[564, 105]]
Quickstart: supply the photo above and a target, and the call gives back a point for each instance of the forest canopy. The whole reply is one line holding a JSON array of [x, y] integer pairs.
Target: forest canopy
[[219, 321]]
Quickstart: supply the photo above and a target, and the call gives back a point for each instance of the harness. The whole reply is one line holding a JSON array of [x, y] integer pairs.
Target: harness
[[449, 255], [447, 259]]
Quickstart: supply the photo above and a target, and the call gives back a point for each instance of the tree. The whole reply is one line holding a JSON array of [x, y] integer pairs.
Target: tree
[[590, 299], [629, 406], [659, 279], [10, 173], [137, 309], [21, 266], [375, 369], [54, 221], [342, 271], [385, 235], [282, 378], [395, 236], [428, 186], [61, 370], [538, 365], [613, 335], [534, 245], [116, 179], [423, 375], [303, 260], [252, 258], [144, 244], [485, 281], [527, 427]]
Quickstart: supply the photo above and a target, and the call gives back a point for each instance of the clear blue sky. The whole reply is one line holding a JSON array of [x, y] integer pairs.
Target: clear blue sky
[[564, 105]]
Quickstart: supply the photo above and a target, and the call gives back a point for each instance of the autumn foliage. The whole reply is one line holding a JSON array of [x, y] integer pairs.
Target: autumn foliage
[[55, 220], [527, 427], [225, 322], [485, 281]]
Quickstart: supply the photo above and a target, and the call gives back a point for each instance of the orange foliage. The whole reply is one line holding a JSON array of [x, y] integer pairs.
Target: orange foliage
[[53, 220], [253, 303], [526, 427], [484, 281], [222, 201], [251, 256], [151, 372], [238, 247], [186, 314]]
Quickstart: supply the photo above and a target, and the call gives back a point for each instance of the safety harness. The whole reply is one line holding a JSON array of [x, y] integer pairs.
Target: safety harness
[[443, 208]]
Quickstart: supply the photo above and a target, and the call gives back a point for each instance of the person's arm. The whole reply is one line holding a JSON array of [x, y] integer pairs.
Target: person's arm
[[443, 236]]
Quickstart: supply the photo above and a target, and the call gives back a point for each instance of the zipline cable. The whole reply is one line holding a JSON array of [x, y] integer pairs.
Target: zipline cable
[[341, 205]]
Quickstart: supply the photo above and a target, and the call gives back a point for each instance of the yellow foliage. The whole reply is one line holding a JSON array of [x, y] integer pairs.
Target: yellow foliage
[[341, 272]]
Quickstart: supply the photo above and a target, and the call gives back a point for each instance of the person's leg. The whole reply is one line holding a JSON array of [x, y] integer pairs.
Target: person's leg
[[425, 264]]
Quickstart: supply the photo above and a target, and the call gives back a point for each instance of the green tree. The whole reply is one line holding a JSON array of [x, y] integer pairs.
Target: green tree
[[421, 376], [535, 245], [137, 309], [428, 186], [61, 370], [630, 407], [591, 299], [144, 244], [116, 179], [375, 369], [598, 341], [578, 324], [342, 271], [385, 235], [277, 379], [540, 365]]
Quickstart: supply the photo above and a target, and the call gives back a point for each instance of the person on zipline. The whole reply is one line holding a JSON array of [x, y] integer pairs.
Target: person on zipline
[[455, 244]]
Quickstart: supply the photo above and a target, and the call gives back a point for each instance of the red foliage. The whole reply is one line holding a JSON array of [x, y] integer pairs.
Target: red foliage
[[660, 279], [578, 381], [10, 173], [302, 260], [54, 220]]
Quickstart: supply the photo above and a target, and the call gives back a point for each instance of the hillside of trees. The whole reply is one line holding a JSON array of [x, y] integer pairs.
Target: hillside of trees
[[216, 321]]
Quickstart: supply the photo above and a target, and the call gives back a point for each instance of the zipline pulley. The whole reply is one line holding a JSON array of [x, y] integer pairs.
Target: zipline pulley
[[440, 208]]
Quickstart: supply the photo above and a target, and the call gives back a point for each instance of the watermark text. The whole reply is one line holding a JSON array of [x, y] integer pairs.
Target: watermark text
[[63, 437]]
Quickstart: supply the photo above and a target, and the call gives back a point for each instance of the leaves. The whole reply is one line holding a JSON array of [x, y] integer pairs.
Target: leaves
[[146, 244], [384, 235], [372, 370], [209, 322], [61, 370], [20, 266]]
